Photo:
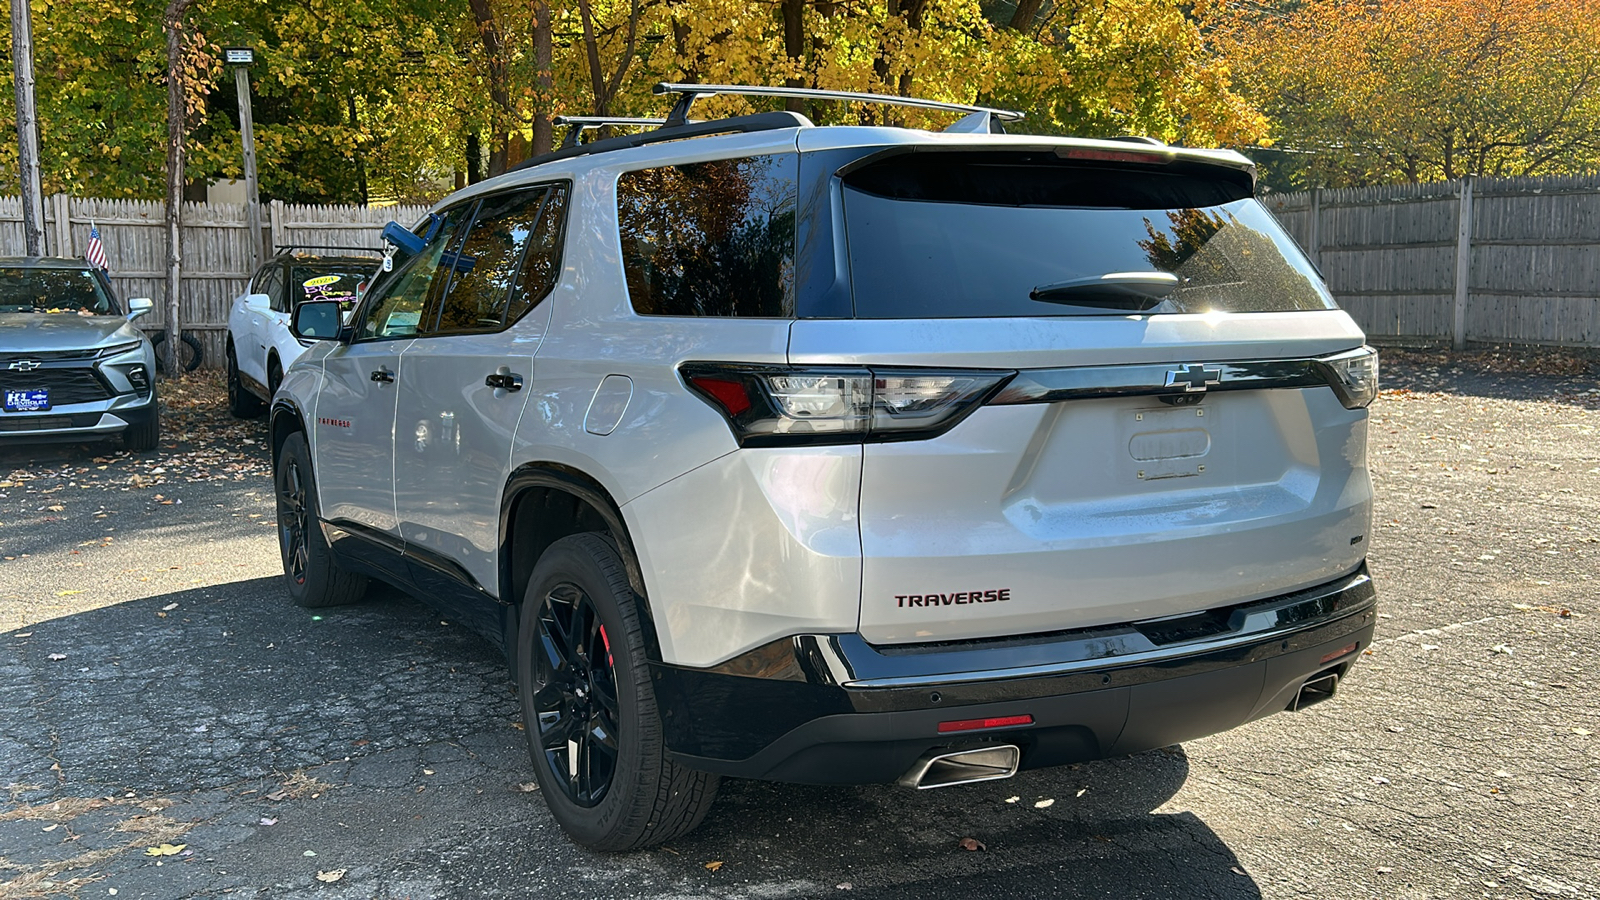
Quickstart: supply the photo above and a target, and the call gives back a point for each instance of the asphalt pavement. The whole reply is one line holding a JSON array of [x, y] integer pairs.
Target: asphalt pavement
[[172, 727]]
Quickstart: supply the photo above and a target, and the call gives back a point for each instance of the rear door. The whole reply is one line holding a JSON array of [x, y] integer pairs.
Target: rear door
[[1166, 447], [252, 352], [465, 379]]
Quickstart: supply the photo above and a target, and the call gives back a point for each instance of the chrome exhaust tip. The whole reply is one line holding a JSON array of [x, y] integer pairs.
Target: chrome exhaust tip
[[1315, 690], [936, 770]]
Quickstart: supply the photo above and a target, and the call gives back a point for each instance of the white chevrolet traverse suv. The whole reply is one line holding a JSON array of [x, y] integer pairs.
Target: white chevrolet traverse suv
[[846, 455]]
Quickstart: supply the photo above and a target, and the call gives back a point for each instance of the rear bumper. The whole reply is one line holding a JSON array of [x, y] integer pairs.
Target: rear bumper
[[831, 709]]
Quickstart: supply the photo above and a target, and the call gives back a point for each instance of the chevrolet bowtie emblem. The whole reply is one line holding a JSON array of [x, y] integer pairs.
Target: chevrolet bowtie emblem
[[24, 365], [1193, 378]]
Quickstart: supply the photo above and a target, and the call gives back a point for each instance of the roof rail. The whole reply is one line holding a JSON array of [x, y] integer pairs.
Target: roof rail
[[577, 125], [736, 125], [290, 248], [689, 92]]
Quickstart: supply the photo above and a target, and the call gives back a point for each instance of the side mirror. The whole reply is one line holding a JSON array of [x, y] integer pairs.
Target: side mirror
[[317, 320], [139, 306], [258, 302]]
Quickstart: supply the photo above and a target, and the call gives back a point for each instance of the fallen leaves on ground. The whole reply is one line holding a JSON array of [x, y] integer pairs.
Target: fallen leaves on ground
[[714, 865], [330, 876], [972, 844], [1044, 804], [165, 850]]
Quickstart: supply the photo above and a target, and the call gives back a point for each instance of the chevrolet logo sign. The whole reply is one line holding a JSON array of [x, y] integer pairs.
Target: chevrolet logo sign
[[1194, 378], [24, 365]]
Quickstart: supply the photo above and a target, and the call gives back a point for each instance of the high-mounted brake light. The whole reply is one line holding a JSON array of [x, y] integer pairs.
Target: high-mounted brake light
[[1154, 156], [774, 405]]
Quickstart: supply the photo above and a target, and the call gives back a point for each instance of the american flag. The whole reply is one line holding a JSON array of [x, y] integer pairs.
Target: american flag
[[95, 253]]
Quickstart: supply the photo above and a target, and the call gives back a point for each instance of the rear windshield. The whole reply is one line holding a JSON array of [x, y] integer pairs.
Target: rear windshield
[[75, 291], [951, 235], [344, 283]]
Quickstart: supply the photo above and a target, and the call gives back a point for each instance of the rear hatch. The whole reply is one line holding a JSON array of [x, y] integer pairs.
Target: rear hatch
[[1185, 426]]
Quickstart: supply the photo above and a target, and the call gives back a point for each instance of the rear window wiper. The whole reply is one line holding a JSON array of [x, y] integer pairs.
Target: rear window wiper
[[1113, 290]]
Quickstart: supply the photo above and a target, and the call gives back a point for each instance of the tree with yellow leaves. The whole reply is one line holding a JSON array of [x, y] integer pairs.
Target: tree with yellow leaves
[[1422, 90]]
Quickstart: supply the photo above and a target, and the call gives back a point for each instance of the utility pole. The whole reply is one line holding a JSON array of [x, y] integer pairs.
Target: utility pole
[[241, 58], [27, 129]]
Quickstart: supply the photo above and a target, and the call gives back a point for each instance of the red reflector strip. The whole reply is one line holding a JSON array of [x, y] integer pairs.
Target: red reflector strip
[[1342, 651], [730, 394], [975, 724]]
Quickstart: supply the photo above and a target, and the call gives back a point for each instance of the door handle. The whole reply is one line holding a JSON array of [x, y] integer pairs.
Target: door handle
[[509, 381], [383, 374]]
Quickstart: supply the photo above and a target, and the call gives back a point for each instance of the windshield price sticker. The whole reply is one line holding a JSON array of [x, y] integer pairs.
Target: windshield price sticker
[[28, 400]]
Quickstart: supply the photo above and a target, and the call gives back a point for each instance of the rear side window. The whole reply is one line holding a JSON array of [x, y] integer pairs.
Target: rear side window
[[948, 235], [710, 239], [505, 265]]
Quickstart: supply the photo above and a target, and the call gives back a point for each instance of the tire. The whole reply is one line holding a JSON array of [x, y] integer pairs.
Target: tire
[[578, 610], [190, 355], [313, 578], [142, 436], [274, 375], [241, 403]]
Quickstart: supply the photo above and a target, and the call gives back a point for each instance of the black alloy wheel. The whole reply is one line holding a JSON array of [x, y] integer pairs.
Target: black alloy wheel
[[310, 570], [293, 521], [575, 695]]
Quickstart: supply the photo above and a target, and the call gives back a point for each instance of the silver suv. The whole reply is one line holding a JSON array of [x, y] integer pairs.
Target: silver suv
[[846, 455], [73, 367]]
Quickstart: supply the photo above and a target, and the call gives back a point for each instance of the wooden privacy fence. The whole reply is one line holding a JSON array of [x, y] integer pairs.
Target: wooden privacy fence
[[216, 248], [1470, 261], [1513, 260]]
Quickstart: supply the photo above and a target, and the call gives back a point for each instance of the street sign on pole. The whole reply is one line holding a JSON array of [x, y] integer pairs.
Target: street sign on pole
[[28, 132], [241, 58]]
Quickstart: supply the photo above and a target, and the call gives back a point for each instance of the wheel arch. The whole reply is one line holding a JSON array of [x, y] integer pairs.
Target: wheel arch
[[545, 502], [285, 419]]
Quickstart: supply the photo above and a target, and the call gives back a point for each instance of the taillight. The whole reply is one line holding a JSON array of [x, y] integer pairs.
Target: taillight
[[1353, 376], [774, 405]]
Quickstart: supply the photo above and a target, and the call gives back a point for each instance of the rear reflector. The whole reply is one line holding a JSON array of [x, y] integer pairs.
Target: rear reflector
[[1342, 651], [976, 724]]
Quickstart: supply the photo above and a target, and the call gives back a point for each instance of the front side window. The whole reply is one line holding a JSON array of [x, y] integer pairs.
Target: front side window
[[504, 266], [73, 291], [394, 309], [710, 239]]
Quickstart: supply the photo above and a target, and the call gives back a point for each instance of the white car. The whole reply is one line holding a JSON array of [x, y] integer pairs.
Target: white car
[[260, 347], [846, 455]]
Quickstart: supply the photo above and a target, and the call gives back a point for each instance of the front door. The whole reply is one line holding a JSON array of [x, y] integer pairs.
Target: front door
[[353, 431]]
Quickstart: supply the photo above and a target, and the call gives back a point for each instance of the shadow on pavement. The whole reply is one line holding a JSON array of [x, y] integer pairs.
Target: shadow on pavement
[[202, 696]]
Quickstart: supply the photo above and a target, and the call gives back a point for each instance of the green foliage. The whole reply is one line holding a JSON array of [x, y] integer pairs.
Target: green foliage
[[384, 99]]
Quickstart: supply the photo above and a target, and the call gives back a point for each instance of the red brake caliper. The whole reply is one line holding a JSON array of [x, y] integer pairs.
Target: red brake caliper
[[607, 641]]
